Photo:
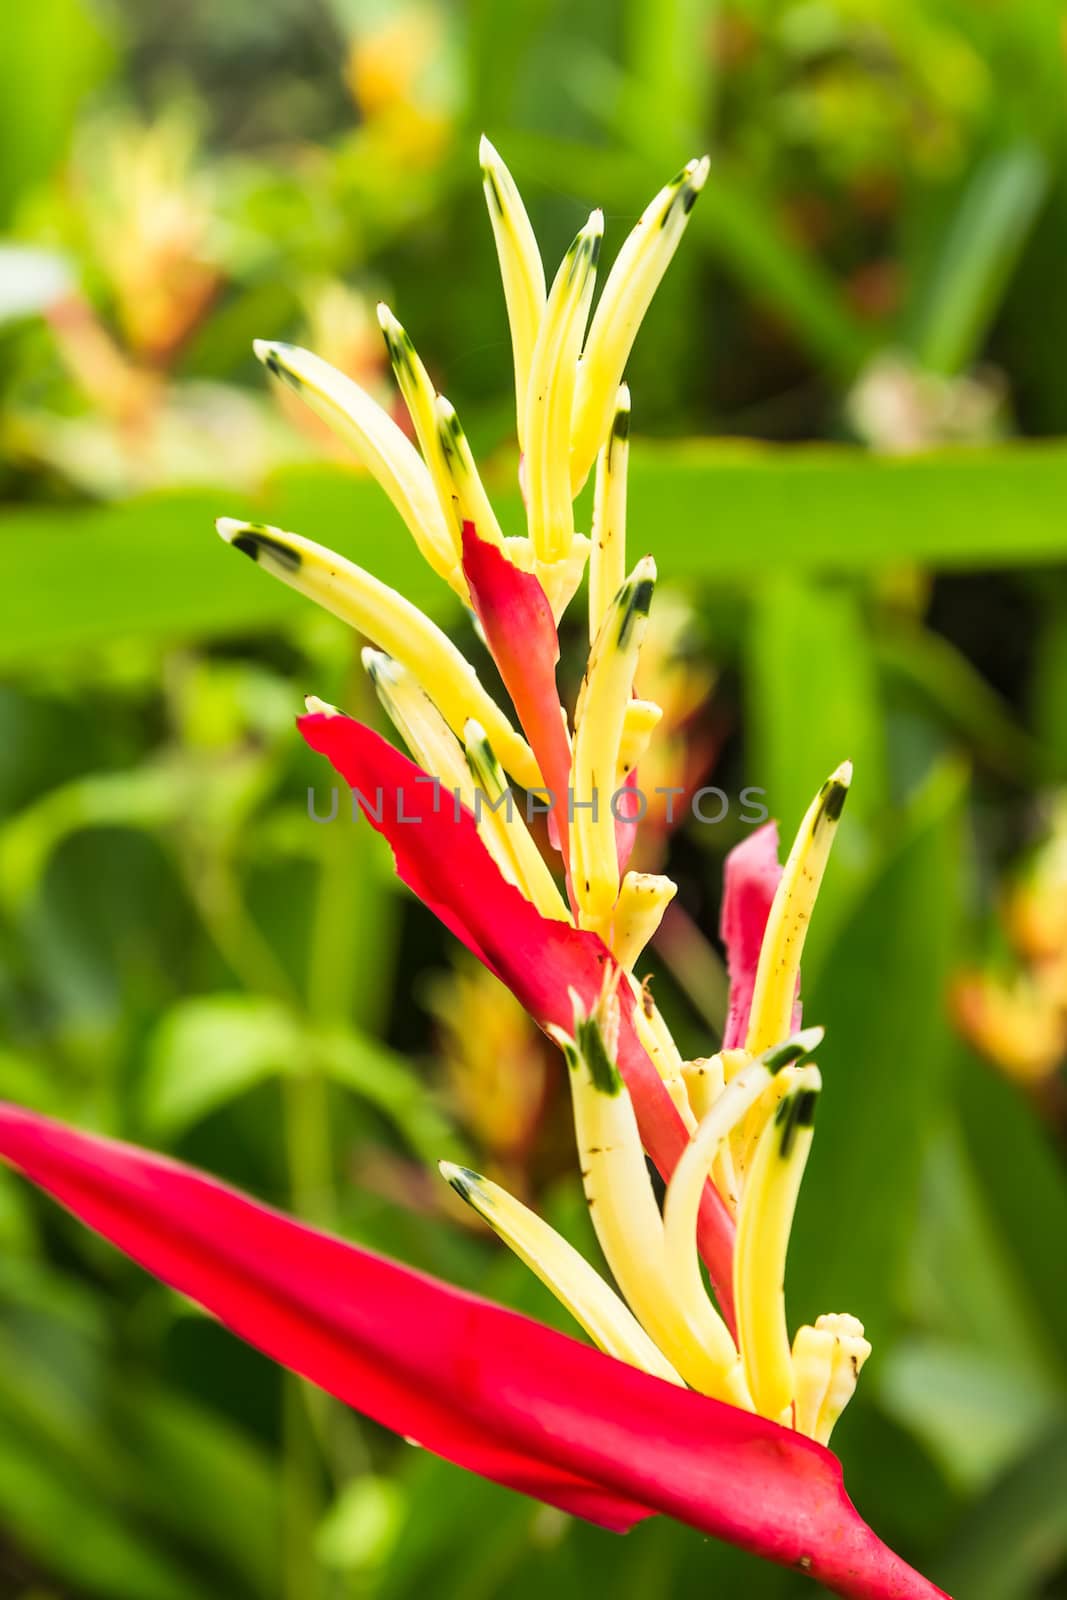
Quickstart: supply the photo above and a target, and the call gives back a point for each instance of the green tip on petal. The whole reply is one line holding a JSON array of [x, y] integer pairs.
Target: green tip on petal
[[796, 1048], [603, 1072], [833, 794], [464, 1181], [261, 544], [796, 1111]]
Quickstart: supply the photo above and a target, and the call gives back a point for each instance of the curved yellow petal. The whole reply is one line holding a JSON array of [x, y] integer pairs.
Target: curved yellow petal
[[521, 270], [607, 558], [576, 1285], [550, 396], [631, 283], [787, 926], [763, 1228], [394, 624], [375, 437], [600, 717], [627, 1219]]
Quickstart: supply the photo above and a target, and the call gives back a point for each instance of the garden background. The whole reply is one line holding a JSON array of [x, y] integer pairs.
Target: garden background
[[848, 403]]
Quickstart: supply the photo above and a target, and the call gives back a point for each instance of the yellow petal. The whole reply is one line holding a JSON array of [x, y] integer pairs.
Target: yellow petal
[[521, 269], [550, 396], [643, 898], [599, 721], [627, 1219], [421, 726], [640, 722], [631, 283], [787, 925], [656, 1041], [763, 1228], [420, 397], [377, 440], [575, 1284], [722, 1106], [607, 560], [827, 1361], [393, 623], [466, 493]]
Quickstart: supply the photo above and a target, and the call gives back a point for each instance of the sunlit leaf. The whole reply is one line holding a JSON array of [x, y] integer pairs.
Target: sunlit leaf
[[209, 1050], [153, 568], [976, 1415]]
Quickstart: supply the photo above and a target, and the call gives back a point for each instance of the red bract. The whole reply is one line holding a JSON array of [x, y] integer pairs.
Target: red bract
[[520, 630], [481, 1385], [442, 859], [750, 877]]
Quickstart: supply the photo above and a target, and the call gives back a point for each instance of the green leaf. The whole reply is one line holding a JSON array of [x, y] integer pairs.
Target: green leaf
[[880, 996], [812, 697], [76, 1535], [153, 568], [976, 1415], [28, 1083], [58, 1471], [55, 51], [153, 1453], [142, 798], [983, 240], [813, 701], [361, 1527], [1048, 695], [209, 1050], [1015, 1538], [387, 1082], [963, 1283], [931, 669], [16, 1221], [209, 1483], [1024, 1187]]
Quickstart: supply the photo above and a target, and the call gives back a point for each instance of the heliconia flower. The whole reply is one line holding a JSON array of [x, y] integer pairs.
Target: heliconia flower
[[699, 1405]]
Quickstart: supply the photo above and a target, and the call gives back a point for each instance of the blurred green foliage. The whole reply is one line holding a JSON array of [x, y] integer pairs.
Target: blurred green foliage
[[876, 264]]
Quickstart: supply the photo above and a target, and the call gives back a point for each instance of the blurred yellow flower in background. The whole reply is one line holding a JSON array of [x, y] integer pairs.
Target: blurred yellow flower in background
[[393, 77], [1019, 1021]]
